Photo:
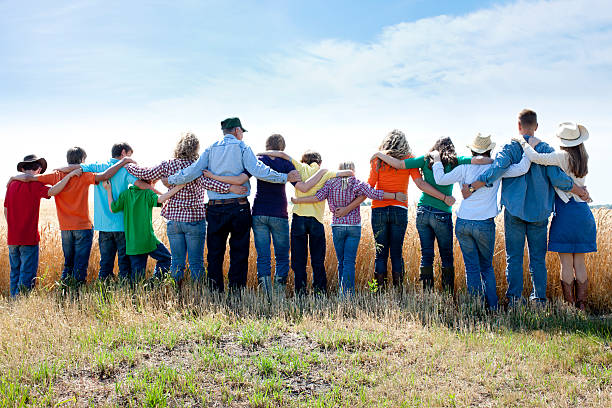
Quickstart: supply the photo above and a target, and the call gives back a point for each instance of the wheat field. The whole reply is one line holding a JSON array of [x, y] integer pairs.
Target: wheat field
[[599, 265]]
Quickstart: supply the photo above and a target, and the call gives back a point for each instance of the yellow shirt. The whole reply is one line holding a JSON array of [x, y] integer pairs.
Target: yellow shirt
[[311, 209]]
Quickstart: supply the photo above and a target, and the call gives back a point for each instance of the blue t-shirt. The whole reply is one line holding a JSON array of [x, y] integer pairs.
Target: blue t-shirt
[[271, 198], [104, 219]]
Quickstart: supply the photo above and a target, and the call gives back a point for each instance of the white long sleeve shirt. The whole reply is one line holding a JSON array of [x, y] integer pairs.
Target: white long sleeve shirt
[[482, 204]]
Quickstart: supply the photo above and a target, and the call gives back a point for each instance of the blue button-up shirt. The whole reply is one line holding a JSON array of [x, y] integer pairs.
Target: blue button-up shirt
[[228, 157], [529, 197], [104, 219]]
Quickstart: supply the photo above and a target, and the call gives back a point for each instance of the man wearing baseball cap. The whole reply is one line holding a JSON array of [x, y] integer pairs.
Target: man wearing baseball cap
[[229, 214]]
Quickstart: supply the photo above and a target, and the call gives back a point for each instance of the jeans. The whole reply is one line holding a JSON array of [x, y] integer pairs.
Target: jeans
[[265, 227], [139, 263], [233, 220], [346, 242], [515, 230], [389, 228], [305, 232], [111, 243], [477, 242], [76, 245], [24, 265], [187, 239], [435, 225]]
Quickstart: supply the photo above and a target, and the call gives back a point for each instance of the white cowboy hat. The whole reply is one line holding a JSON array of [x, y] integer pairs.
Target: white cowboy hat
[[571, 134], [481, 144]]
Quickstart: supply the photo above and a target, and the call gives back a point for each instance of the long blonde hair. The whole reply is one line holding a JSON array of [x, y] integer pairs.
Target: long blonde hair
[[347, 165], [396, 145], [187, 147]]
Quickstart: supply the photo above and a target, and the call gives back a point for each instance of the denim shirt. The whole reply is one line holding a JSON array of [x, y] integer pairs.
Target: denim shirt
[[228, 157], [529, 197]]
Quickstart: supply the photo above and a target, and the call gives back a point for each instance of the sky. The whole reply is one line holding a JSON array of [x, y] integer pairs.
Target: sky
[[331, 76]]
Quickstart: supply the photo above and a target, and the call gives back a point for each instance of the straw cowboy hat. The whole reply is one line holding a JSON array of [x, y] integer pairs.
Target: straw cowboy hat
[[481, 144], [571, 134], [32, 158]]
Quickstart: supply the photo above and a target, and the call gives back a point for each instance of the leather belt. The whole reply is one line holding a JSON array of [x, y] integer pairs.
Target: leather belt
[[225, 201]]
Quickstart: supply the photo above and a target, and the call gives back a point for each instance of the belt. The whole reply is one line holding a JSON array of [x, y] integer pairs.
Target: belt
[[225, 201]]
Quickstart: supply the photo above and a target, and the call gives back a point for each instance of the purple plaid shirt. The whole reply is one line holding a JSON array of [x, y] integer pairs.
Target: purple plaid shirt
[[188, 204], [337, 197]]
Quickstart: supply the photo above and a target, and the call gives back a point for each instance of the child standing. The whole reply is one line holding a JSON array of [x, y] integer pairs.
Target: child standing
[[140, 240], [346, 231]]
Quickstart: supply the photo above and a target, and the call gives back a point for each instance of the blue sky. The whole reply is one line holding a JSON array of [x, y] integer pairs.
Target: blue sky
[[335, 76]]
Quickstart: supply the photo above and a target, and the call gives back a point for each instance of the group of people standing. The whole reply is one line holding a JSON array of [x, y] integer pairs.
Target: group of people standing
[[124, 196]]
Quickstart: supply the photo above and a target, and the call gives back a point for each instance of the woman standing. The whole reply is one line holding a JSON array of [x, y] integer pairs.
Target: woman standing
[[572, 231], [186, 210]]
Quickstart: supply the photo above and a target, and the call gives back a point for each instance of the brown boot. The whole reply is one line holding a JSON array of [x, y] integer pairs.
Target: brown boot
[[568, 291], [581, 294]]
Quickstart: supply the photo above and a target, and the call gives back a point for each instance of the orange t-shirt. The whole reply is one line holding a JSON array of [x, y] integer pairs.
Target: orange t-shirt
[[72, 203], [390, 180]]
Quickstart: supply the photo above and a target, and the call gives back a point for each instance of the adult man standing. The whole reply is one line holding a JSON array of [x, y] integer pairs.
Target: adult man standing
[[528, 202], [229, 214]]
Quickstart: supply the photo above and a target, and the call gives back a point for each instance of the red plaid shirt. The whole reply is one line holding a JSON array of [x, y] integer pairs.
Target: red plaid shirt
[[338, 197], [188, 204]]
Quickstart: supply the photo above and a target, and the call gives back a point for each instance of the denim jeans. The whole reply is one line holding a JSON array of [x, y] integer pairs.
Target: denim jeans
[[139, 263], [435, 225], [187, 239], [76, 245], [477, 241], [305, 232], [233, 220], [389, 228], [515, 231], [111, 243], [265, 227], [346, 242], [24, 265]]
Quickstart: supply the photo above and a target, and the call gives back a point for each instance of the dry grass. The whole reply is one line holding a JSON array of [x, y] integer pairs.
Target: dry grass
[[599, 265]]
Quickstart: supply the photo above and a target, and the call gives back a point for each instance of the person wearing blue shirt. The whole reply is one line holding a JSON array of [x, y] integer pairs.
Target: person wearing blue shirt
[[229, 214], [528, 202]]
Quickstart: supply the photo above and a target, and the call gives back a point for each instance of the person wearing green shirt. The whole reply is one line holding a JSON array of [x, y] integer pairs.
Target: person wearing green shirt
[[434, 220], [137, 206]]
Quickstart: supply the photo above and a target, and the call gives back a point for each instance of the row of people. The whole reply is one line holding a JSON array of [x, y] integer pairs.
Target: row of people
[[221, 170]]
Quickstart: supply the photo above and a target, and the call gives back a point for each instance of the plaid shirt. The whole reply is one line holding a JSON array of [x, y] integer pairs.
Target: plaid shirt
[[338, 197], [188, 204]]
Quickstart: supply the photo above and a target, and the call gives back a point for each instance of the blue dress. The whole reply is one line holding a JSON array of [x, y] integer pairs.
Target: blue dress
[[573, 228]]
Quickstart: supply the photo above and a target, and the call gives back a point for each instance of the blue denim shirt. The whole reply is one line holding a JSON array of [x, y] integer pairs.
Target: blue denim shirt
[[228, 157], [529, 197]]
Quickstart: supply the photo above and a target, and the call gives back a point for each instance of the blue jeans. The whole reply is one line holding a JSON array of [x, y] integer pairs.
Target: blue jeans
[[265, 227], [139, 263], [477, 241], [435, 225], [187, 239], [346, 242], [515, 230], [111, 243], [24, 265], [76, 245], [308, 232], [389, 228]]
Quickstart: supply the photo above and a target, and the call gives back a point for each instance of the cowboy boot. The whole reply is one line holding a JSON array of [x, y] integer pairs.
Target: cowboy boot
[[581, 294], [427, 277], [381, 279], [448, 279], [568, 291]]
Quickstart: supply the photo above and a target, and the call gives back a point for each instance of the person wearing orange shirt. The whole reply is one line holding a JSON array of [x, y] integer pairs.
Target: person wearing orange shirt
[[72, 206]]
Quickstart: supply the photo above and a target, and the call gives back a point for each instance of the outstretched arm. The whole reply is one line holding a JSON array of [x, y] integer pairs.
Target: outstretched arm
[[68, 169], [164, 197], [304, 186], [24, 177], [304, 200], [235, 180], [343, 211], [545, 159], [276, 153], [391, 161], [112, 170], [59, 186], [109, 193], [429, 189]]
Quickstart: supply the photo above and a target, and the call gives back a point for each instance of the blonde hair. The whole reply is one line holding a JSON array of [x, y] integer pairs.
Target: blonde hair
[[396, 145], [187, 147], [347, 165]]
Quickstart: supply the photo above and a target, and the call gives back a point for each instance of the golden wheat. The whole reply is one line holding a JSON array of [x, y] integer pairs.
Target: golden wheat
[[599, 265]]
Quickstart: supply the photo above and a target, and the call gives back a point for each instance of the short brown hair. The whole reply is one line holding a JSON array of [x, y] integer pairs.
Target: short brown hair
[[528, 118], [310, 156], [275, 142], [76, 155]]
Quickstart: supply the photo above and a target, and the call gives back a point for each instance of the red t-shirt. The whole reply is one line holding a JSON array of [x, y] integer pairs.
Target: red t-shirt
[[22, 202]]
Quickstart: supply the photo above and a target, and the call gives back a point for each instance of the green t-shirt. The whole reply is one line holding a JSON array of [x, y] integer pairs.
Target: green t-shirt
[[426, 199], [137, 206]]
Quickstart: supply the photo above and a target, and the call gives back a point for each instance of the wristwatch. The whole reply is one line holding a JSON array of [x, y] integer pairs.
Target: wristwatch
[[472, 189]]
